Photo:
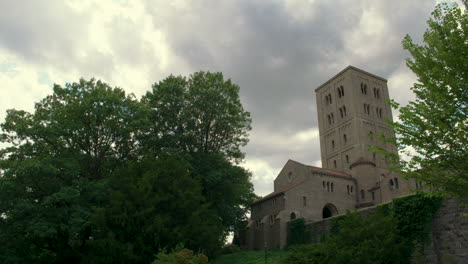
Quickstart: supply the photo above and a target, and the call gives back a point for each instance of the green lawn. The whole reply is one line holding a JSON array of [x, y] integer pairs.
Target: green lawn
[[251, 257]]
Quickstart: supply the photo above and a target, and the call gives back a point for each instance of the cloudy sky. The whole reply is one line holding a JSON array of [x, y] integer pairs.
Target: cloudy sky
[[277, 51]]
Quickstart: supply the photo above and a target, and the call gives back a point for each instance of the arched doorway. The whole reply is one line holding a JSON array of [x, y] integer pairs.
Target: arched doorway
[[292, 216], [329, 210]]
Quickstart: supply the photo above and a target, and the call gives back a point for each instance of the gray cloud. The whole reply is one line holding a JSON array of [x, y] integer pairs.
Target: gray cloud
[[277, 51]]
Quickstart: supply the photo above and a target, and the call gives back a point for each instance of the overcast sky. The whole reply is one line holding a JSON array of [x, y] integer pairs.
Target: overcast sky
[[278, 52]]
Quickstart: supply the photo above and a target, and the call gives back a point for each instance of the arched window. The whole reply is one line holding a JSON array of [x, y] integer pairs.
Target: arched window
[[347, 159], [375, 92], [328, 186], [333, 144], [362, 88], [392, 186], [396, 183], [331, 187], [351, 189], [334, 163], [304, 201], [292, 216], [342, 90], [345, 138], [363, 195], [332, 118], [329, 119], [344, 110], [365, 88], [341, 112], [380, 112], [368, 109], [330, 98]]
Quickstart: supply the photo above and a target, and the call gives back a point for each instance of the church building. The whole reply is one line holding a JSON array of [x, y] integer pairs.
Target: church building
[[352, 108]]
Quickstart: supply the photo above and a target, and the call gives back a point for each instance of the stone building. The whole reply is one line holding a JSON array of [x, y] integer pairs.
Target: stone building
[[352, 109]]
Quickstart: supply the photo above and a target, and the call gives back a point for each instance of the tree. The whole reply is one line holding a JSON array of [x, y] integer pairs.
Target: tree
[[434, 126], [199, 114], [203, 118], [154, 205], [56, 166]]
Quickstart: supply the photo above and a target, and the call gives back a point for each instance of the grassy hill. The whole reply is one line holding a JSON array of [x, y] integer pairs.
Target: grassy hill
[[251, 257]]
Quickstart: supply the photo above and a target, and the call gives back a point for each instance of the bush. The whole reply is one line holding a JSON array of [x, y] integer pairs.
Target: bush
[[230, 248], [298, 233], [388, 236], [180, 256]]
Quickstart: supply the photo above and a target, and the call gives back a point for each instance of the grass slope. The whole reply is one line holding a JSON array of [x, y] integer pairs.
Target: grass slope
[[251, 257]]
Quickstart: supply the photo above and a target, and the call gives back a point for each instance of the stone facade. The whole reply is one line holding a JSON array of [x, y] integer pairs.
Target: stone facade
[[352, 110]]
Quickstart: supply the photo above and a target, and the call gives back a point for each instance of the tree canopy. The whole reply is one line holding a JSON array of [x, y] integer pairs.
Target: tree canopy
[[95, 175], [434, 126]]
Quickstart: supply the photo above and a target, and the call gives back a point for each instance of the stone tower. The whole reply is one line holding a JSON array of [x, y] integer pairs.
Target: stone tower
[[352, 109]]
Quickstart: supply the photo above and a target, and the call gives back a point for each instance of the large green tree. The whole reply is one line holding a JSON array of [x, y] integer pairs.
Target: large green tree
[[433, 127], [55, 169], [202, 117], [199, 114]]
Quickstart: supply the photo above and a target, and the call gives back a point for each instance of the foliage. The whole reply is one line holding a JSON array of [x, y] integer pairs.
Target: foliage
[[94, 175], [199, 114], [225, 186], [202, 117], [297, 232], [153, 205], [434, 126], [387, 236], [56, 167], [230, 248], [180, 255], [251, 257], [414, 214]]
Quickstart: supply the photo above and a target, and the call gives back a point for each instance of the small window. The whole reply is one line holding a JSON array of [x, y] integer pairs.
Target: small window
[[396, 183], [323, 183], [334, 163], [329, 119], [347, 187], [342, 90], [392, 185], [304, 200], [368, 109], [365, 88], [333, 144], [363, 195], [373, 196], [330, 98], [351, 189], [341, 112], [345, 138], [328, 186], [331, 187], [347, 159], [332, 118], [344, 110]]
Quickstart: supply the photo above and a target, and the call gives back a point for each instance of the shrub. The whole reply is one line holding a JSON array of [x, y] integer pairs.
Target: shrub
[[230, 248], [180, 256]]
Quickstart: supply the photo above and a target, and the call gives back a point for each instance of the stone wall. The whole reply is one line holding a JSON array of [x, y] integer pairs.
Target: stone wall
[[448, 239], [449, 236]]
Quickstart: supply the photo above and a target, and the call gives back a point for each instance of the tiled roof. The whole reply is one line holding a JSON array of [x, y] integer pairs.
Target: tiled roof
[[325, 171], [283, 190]]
